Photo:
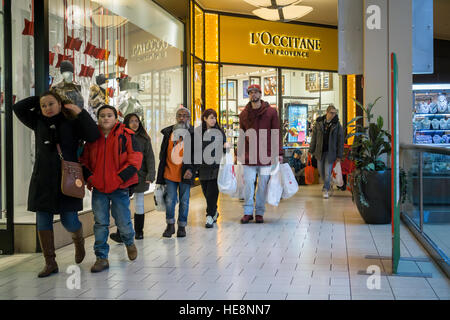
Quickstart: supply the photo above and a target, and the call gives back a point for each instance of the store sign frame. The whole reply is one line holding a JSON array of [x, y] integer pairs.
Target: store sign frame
[[267, 43]]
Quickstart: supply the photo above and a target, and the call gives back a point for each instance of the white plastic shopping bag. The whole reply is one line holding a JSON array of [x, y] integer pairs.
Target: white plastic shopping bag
[[226, 180], [159, 196], [336, 175], [274, 188], [290, 185], [239, 171]]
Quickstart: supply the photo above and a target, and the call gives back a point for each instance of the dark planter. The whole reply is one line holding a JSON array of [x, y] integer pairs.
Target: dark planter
[[377, 192]]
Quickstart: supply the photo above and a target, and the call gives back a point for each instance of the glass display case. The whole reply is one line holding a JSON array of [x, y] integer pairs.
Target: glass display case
[[431, 114]]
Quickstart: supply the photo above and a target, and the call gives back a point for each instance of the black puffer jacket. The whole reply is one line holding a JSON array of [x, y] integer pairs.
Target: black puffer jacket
[[210, 171], [45, 186], [147, 171], [335, 141], [187, 154]]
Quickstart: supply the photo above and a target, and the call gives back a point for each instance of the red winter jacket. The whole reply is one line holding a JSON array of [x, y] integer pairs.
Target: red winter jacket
[[112, 163], [265, 118]]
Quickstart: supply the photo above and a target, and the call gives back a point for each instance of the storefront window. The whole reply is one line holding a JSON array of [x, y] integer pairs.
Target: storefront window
[[315, 92], [131, 54], [23, 87], [2, 127]]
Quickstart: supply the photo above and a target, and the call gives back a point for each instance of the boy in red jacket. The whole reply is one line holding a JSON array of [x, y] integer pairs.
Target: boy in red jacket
[[110, 166]]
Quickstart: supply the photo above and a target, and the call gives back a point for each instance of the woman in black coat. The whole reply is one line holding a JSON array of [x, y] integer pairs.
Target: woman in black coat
[[146, 174], [67, 125], [208, 172]]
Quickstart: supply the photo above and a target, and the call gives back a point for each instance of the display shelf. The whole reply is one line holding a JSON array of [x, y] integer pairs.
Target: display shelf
[[432, 130], [434, 144], [431, 114]]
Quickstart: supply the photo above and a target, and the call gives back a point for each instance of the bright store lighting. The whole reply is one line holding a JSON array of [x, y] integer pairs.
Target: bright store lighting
[[287, 13], [273, 4]]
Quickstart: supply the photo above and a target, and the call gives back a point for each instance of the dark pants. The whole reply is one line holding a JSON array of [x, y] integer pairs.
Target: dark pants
[[211, 192]]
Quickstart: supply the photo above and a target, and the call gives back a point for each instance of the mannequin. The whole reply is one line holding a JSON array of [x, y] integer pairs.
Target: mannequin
[[69, 91], [97, 93], [131, 104]]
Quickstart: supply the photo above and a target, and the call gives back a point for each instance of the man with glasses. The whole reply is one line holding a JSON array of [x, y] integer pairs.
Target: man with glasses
[[259, 124], [176, 170], [327, 146]]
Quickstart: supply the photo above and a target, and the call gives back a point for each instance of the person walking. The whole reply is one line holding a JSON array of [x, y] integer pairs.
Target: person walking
[[209, 169], [110, 166], [146, 175], [260, 118], [55, 123], [327, 146], [176, 170]]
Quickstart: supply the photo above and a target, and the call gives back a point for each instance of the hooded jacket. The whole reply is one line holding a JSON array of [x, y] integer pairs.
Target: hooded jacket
[[265, 117], [44, 193], [188, 156], [335, 141], [112, 163]]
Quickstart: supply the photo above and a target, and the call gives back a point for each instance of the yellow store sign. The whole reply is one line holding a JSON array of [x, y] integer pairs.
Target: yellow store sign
[[257, 42]]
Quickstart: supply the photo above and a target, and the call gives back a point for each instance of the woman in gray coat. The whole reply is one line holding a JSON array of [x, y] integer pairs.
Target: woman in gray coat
[[327, 145], [146, 174]]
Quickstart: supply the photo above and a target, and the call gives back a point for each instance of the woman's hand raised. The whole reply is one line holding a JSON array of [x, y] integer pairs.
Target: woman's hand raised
[[73, 108]]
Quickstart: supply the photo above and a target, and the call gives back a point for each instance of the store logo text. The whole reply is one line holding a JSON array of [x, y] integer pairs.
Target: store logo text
[[285, 45]]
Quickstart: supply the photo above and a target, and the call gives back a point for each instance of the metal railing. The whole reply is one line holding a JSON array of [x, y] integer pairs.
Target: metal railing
[[425, 198]]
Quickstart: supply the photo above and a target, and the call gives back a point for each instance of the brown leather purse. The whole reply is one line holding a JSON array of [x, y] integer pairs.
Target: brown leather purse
[[72, 181]]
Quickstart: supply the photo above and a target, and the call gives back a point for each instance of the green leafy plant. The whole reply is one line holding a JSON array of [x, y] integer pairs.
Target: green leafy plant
[[370, 143]]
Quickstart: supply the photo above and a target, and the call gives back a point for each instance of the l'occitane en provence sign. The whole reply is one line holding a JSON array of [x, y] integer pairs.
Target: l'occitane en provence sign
[[256, 42]]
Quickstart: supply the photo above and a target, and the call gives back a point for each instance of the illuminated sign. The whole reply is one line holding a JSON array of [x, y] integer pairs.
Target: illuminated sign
[[284, 45], [266, 43]]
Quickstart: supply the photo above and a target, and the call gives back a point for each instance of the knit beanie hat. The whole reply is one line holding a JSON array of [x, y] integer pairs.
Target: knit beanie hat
[[66, 66]]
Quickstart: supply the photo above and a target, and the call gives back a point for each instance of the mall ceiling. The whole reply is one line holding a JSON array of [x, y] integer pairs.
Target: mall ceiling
[[325, 11]]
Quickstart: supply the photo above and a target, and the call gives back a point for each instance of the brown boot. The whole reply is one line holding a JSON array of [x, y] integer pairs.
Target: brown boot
[[78, 241], [132, 252], [100, 265], [46, 239]]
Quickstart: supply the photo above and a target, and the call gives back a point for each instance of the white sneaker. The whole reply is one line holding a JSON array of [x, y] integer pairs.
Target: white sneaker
[[325, 195], [209, 222], [216, 216]]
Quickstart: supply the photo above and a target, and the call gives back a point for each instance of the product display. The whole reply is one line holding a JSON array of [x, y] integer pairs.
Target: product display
[[431, 115]]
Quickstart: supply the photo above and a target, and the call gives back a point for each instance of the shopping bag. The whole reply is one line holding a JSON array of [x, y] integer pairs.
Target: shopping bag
[[239, 171], [159, 196], [336, 175], [309, 171], [226, 179], [274, 188], [290, 185]]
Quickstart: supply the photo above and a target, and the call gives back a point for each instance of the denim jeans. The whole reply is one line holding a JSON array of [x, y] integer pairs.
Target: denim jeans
[[325, 168], [119, 204], [249, 188], [139, 202], [172, 189], [69, 220]]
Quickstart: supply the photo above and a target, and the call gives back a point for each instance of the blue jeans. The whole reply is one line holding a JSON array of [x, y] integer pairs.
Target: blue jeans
[[119, 203], [171, 201], [249, 189], [325, 168], [139, 202], [69, 220]]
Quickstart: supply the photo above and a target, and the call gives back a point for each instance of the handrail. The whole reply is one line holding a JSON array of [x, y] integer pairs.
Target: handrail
[[423, 148]]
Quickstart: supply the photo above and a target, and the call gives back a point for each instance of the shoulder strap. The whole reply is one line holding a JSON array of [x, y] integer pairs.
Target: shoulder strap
[[58, 147]]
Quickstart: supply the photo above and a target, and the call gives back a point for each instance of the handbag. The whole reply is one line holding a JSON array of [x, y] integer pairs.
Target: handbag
[[309, 171], [72, 181]]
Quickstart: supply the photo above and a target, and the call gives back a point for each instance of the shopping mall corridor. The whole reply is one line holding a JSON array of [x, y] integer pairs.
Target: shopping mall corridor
[[308, 248]]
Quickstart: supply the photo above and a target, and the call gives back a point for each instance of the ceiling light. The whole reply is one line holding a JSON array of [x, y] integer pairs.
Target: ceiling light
[[272, 4], [284, 14]]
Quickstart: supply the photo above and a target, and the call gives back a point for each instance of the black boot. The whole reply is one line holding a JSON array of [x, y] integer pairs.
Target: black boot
[[116, 236], [139, 226], [181, 232], [170, 230]]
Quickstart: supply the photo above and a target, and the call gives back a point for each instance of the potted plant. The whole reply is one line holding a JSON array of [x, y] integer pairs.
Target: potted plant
[[371, 181]]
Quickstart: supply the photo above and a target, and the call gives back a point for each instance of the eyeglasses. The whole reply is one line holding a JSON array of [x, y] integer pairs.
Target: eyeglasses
[[183, 115]]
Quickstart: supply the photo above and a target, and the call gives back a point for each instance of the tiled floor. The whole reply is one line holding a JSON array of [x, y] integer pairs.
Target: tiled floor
[[308, 248]]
